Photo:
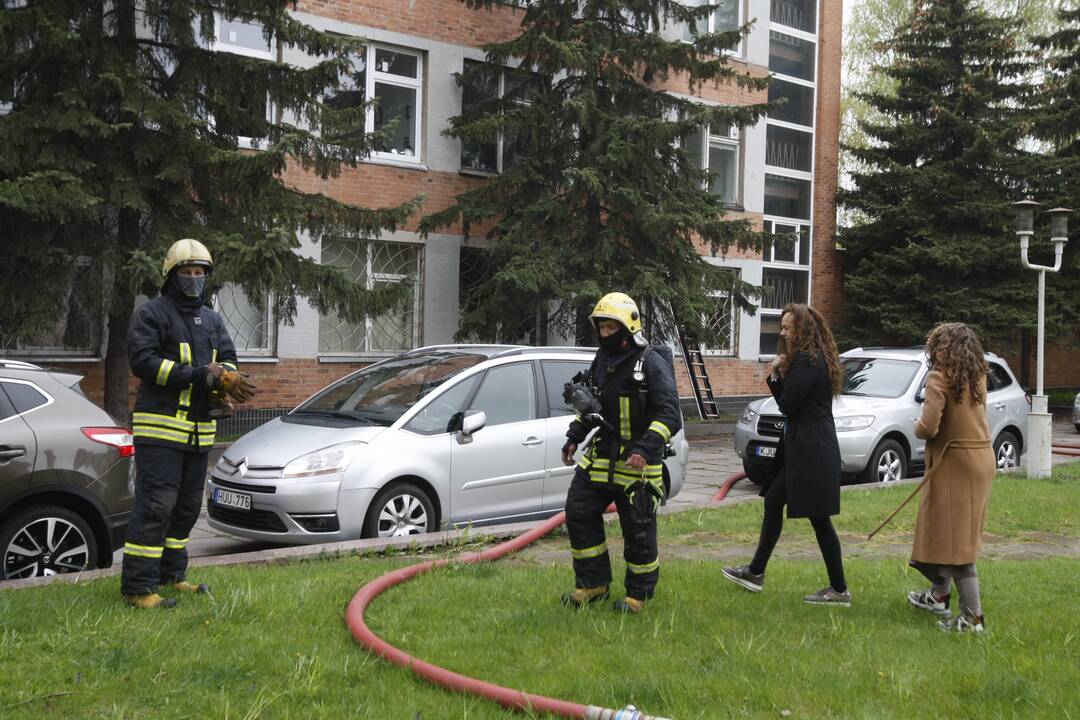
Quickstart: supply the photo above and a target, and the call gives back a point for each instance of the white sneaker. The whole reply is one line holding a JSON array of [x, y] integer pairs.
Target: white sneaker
[[965, 622], [926, 600]]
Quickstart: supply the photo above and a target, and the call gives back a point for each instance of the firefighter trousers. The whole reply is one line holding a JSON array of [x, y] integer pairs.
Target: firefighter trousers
[[585, 504], [168, 495]]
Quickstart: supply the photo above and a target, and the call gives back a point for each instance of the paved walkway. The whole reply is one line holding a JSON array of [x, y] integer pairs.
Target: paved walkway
[[712, 460]]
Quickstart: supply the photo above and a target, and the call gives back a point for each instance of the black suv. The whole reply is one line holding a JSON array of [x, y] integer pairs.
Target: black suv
[[66, 475]]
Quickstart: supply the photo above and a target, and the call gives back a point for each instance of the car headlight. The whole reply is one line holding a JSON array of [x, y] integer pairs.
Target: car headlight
[[329, 460], [853, 422], [747, 416]]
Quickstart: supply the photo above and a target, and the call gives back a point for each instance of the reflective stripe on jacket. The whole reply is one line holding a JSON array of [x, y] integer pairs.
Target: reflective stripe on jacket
[[166, 342]]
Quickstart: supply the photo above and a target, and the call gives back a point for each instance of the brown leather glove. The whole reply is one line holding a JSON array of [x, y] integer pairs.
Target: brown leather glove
[[238, 384]]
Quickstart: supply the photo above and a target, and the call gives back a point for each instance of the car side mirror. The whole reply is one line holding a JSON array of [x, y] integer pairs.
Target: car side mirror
[[920, 395], [473, 421]]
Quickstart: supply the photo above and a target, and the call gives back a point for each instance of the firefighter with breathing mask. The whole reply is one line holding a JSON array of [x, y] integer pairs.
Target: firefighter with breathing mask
[[184, 358], [629, 396]]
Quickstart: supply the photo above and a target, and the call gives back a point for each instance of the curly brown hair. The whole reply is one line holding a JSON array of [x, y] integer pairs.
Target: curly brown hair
[[954, 350], [811, 335]]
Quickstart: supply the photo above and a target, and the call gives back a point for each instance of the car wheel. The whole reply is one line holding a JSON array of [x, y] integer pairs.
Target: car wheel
[[888, 463], [1007, 450], [46, 540], [398, 510]]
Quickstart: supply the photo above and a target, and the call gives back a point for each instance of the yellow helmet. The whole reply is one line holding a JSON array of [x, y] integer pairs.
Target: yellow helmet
[[620, 307], [187, 252]]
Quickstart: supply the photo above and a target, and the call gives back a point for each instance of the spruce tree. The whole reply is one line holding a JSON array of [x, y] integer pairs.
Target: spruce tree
[[1055, 119], [600, 193], [933, 239], [121, 136]]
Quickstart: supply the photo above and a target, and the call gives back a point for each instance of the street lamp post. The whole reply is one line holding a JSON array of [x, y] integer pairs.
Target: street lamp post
[[1040, 421]]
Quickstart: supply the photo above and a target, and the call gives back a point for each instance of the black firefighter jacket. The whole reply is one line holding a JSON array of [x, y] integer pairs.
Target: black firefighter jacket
[[168, 339], [643, 415]]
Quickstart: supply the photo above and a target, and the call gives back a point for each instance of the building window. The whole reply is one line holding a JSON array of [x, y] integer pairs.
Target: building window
[[780, 287], [485, 86], [374, 264], [250, 108], [394, 78], [797, 14], [250, 328], [789, 149], [77, 321], [791, 56], [724, 321], [787, 197], [797, 102], [792, 244], [717, 152], [727, 17]]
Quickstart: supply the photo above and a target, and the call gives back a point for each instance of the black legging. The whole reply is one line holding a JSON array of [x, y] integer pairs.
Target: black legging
[[772, 523]]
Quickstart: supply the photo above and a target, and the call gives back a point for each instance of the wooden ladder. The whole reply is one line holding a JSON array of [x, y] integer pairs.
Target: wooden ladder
[[699, 378]]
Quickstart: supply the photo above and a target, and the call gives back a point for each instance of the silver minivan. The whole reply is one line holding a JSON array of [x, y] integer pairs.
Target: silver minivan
[[875, 414], [439, 436]]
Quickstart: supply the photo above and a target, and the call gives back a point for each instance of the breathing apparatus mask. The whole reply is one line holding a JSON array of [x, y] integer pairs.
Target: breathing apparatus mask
[[583, 396]]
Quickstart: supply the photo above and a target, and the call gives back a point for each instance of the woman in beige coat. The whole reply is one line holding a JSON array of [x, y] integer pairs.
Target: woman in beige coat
[[960, 468]]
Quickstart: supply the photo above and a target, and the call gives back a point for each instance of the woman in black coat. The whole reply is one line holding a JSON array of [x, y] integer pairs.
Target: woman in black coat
[[805, 376]]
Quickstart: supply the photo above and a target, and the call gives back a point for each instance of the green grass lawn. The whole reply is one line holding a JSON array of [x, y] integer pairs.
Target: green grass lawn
[[272, 643]]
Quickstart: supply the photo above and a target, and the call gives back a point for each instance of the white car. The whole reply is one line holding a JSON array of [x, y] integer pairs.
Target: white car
[[875, 413], [440, 436]]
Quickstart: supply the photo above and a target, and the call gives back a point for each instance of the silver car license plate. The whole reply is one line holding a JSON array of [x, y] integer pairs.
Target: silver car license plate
[[228, 498], [766, 451]]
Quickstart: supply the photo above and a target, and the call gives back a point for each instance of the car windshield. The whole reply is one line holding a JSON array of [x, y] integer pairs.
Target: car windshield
[[382, 393], [878, 377]]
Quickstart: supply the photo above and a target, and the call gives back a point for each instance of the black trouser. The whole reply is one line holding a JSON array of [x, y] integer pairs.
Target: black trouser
[[585, 504], [168, 495], [772, 523]]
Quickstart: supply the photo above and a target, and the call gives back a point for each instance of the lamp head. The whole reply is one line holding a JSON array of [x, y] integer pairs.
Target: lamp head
[[1025, 216], [1059, 222]]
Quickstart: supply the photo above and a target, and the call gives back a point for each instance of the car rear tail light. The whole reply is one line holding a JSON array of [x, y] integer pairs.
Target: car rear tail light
[[119, 438]]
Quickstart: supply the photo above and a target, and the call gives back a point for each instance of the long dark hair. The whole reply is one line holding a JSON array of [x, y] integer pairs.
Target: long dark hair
[[955, 350], [811, 335]]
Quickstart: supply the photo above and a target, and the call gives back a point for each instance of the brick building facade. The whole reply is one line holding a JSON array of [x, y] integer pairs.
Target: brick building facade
[[780, 173]]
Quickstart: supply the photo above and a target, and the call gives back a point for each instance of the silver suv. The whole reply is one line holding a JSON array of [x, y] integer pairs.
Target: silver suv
[[875, 413], [444, 435]]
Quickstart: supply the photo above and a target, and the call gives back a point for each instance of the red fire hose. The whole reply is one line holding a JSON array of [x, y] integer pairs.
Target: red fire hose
[[507, 697], [728, 484]]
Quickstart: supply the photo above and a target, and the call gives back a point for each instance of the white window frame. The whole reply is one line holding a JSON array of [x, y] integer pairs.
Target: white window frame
[[736, 51], [267, 350], [219, 45], [732, 348], [732, 139], [500, 142], [370, 279], [372, 75], [803, 228], [798, 35]]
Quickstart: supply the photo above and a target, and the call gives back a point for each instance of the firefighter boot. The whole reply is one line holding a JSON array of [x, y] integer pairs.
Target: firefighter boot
[[585, 596], [629, 606], [148, 601], [185, 586]]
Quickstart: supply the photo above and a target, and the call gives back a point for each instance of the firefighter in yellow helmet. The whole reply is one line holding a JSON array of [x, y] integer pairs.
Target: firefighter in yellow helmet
[[629, 394], [181, 353]]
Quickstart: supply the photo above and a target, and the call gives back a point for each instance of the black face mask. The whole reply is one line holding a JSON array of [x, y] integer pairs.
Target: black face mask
[[616, 342], [191, 287]]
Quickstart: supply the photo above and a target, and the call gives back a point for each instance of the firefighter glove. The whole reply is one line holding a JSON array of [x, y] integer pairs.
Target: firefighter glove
[[644, 499], [238, 384]]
